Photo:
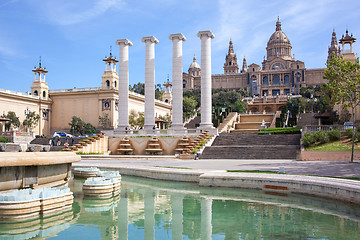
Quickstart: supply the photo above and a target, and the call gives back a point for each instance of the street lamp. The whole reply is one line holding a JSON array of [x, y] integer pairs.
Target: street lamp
[[312, 107], [27, 112]]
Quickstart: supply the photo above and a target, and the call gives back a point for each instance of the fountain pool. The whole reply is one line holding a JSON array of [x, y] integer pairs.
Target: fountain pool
[[153, 209]]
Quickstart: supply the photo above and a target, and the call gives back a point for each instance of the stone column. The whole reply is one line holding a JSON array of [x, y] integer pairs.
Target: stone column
[[177, 79], [149, 81], [177, 216], [206, 216], [149, 221], [123, 218], [123, 107], [206, 37]]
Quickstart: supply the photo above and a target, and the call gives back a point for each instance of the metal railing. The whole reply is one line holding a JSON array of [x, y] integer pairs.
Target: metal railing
[[18, 93], [325, 128]]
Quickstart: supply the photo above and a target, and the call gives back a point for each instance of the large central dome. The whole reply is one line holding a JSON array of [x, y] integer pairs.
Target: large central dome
[[278, 44]]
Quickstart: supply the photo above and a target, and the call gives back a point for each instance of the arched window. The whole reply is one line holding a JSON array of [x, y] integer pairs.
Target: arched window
[[44, 94], [36, 93], [265, 81], [276, 80], [253, 69], [107, 84], [287, 80], [166, 100], [115, 84]]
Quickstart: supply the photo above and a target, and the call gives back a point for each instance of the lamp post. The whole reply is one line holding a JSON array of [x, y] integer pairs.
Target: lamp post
[[311, 100], [27, 112]]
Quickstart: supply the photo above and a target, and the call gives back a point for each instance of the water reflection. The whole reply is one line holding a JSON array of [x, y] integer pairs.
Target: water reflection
[[36, 228], [150, 209]]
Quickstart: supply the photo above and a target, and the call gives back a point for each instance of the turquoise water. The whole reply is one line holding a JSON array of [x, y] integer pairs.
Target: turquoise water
[[151, 209]]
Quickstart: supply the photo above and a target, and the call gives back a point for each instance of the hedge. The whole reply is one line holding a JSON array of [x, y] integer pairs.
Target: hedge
[[4, 139], [288, 130]]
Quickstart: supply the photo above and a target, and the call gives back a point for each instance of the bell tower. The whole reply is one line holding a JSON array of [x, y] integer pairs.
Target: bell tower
[[347, 53], [110, 78], [39, 87], [231, 66], [334, 49]]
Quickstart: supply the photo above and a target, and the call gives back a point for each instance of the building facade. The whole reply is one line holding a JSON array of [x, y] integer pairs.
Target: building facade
[[57, 107], [279, 73]]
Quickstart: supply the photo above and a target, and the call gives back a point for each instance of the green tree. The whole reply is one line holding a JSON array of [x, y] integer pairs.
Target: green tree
[[140, 88], [89, 128], [32, 120], [189, 105], [14, 120], [104, 121], [76, 125], [136, 119], [344, 85]]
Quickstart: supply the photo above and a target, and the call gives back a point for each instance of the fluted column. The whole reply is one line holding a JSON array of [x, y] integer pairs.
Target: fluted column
[[177, 216], [206, 216], [149, 81], [206, 37], [123, 107], [149, 221], [177, 71], [123, 218]]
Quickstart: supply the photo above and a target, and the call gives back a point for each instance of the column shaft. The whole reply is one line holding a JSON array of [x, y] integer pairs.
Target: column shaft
[[206, 105], [123, 218], [149, 221], [206, 216], [177, 217], [149, 82], [123, 107], [177, 80]]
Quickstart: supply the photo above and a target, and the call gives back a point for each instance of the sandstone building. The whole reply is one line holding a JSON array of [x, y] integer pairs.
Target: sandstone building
[[279, 74], [56, 107]]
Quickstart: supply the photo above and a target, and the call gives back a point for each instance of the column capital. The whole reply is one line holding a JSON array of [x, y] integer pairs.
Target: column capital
[[207, 33], [124, 41], [179, 36], [151, 39]]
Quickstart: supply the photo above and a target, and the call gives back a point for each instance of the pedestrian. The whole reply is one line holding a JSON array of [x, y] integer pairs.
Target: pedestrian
[[53, 141], [72, 142], [66, 145], [50, 142]]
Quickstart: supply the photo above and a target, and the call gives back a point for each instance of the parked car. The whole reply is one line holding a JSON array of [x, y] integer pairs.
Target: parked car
[[62, 134]]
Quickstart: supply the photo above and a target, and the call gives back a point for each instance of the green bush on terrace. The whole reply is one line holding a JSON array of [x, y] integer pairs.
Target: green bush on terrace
[[4, 139], [288, 130]]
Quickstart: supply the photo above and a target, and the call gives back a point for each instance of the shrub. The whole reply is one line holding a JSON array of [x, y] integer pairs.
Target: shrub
[[323, 137], [334, 135], [317, 136], [349, 132], [288, 130], [4, 139], [308, 139], [357, 136]]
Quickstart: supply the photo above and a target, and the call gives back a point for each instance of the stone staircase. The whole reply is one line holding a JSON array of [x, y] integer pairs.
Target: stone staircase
[[250, 123], [304, 120], [45, 141], [194, 123], [253, 146]]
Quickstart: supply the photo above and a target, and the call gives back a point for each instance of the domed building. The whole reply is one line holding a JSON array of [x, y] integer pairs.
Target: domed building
[[280, 74]]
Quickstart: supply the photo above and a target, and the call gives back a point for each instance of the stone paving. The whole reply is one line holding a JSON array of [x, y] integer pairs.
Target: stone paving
[[319, 168]]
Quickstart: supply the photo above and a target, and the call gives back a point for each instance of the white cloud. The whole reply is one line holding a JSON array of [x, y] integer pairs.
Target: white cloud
[[77, 12]]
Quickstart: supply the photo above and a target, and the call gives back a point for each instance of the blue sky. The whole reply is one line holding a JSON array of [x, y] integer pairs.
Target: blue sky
[[73, 37]]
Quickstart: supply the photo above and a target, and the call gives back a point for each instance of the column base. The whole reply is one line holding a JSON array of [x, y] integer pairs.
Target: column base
[[149, 127], [206, 126], [122, 127]]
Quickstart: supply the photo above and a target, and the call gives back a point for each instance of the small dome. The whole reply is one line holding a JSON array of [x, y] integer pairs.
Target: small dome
[[194, 64]]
